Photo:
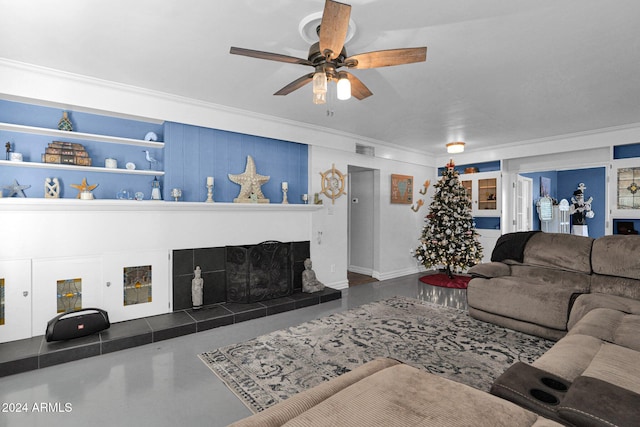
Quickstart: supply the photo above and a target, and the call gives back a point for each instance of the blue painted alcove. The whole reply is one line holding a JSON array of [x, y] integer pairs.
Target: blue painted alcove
[[193, 153], [190, 155]]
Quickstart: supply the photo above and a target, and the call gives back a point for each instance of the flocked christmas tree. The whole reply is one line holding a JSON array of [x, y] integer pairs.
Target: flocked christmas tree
[[449, 237]]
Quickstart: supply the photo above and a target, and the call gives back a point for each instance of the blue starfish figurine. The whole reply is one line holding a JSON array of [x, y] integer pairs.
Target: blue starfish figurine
[[16, 189]]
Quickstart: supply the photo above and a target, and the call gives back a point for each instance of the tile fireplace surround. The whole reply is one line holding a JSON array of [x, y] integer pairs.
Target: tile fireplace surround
[[34, 353]]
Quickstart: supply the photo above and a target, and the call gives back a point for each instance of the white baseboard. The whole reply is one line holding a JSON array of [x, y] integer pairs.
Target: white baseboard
[[360, 270], [339, 285]]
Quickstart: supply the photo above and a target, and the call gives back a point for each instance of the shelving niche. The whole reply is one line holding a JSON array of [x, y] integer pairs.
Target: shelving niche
[[80, 136]]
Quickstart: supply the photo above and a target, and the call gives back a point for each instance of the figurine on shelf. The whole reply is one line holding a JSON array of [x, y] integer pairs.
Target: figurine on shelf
[[7, 146], [197, 284], [150, 159], [65, 123], [51, 188], [16, 189], [155, 189], [310, 283]]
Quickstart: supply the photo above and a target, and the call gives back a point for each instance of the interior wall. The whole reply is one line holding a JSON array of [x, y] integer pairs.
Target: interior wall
[[397, 227]]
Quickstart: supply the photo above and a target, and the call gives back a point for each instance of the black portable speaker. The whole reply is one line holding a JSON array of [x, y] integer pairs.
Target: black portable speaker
[[76, 324]]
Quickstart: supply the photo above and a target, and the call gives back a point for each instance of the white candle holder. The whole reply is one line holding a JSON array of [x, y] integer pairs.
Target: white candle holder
[[209, 193], [284, 196]]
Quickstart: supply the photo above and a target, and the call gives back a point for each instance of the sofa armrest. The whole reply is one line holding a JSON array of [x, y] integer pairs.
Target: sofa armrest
[[489, 270], [593, 402]]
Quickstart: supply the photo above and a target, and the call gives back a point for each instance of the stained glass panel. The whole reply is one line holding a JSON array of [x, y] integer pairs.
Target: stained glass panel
[[1, 301], [137, 285], [69, 295], [629, 188]]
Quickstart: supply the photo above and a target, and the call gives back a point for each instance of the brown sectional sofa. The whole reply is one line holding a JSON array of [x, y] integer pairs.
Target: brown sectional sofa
[[584, 292]]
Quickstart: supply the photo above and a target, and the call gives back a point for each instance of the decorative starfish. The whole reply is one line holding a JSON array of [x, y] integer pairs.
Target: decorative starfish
[[83, 187], [16, 189], [250, 181]]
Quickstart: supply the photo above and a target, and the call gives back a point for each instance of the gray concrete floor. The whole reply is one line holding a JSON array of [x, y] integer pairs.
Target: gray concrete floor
[[164, 383]]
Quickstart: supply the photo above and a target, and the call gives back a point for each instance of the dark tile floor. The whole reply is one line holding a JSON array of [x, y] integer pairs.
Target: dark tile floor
[[34, 353]]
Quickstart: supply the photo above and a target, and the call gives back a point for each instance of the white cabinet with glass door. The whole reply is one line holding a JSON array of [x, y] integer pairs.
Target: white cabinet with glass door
[[484, 191]]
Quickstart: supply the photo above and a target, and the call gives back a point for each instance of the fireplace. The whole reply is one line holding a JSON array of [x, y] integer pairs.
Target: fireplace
[[218, 275], [258, 272]]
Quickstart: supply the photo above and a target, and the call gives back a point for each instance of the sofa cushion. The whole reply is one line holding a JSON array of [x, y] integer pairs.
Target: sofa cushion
[[616, 285], [587, 302], [563, 251], [610, 406], [612, 326], [616, 365], [533, 301], [617, 255], [404, 396], [569, 357]]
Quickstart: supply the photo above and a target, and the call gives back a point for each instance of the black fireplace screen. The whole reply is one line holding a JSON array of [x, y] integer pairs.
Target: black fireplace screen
[[259, 272]]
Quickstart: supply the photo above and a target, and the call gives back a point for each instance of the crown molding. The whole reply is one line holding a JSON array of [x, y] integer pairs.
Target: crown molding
[[128, 101]]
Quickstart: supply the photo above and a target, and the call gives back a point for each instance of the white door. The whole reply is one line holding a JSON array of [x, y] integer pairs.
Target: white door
[[523, 205], [136, 284], [15, 300]]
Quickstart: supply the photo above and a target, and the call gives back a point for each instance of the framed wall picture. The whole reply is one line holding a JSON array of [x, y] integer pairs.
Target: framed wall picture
[[401, 189], [545, 186]]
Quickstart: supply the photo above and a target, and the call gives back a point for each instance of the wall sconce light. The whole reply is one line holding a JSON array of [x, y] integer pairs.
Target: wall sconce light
[[343, 86], [455, 147]]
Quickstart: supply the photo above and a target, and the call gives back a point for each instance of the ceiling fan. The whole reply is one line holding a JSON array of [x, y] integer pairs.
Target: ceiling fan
[[328, 55]]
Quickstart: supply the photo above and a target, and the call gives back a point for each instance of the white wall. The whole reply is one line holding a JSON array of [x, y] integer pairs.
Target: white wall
[[397, 227]]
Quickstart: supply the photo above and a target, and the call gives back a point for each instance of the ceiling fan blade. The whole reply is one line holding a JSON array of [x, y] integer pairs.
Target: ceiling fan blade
[[386, 58], [296, 84], [268, 55], [358, 89], [333, 28]]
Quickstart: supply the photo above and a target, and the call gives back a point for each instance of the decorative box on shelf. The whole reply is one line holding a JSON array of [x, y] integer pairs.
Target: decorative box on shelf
[[68, 153]]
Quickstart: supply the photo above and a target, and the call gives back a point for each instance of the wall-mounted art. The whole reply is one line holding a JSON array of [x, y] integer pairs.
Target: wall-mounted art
[[402, 189], [137, 285]]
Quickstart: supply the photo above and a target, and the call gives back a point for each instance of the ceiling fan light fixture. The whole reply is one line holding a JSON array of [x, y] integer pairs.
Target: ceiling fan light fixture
[[455, 147], [320, 87], [343, 86]]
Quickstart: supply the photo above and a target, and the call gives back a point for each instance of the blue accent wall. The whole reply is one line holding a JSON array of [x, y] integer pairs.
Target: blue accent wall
[[194, 153], [190, 155], [564, 183], [626, 151], [595, 179]]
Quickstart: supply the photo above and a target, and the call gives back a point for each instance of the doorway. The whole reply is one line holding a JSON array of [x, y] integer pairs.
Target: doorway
[[523, 214], [361, 228]]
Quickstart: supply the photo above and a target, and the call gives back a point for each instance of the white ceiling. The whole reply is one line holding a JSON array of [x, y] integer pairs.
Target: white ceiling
[[497, 71]]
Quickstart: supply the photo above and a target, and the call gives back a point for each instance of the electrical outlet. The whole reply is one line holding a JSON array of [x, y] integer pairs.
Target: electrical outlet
[[333, 268]]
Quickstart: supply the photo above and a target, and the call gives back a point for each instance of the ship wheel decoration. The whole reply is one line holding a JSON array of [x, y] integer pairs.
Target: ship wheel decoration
[[333, 183]]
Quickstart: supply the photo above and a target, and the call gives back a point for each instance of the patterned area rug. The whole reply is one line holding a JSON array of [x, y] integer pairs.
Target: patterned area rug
[[441, 340]]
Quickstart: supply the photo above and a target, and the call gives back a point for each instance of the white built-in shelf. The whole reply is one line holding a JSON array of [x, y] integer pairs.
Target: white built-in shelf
[[41, 204], [65, 135], [82, 168]]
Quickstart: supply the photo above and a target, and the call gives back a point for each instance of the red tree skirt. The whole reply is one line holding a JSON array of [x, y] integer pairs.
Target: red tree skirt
[[458, 282]]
